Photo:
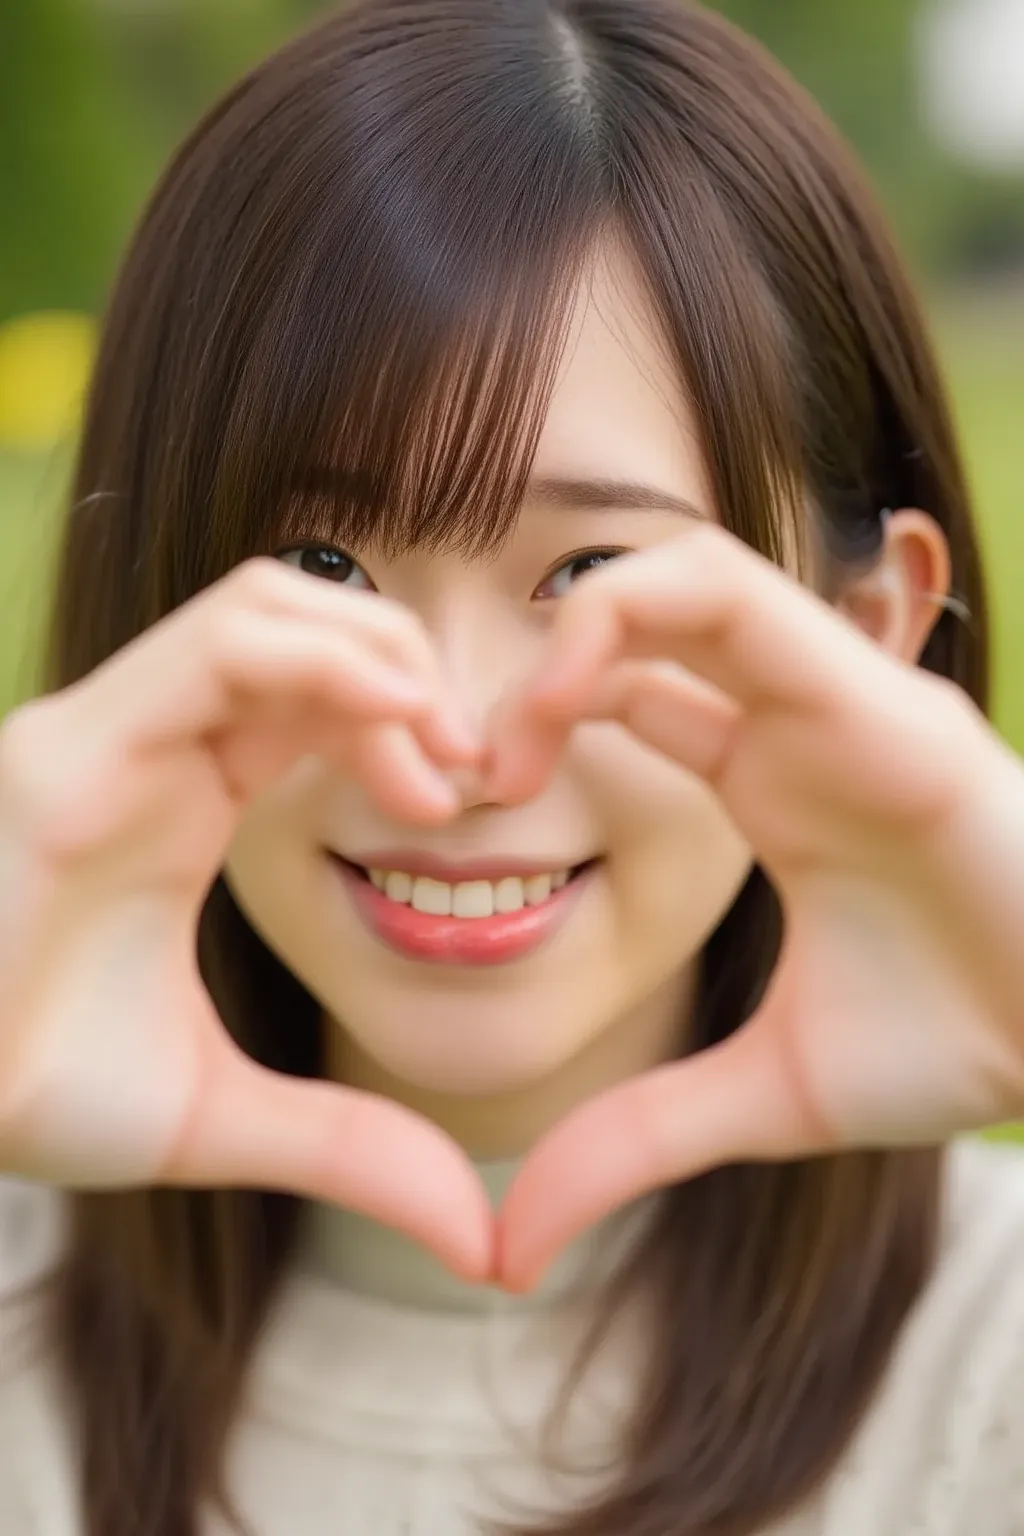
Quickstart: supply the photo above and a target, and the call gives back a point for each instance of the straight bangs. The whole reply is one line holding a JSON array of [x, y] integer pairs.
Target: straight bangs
[[341, 320], [392, 308], [412, 418]]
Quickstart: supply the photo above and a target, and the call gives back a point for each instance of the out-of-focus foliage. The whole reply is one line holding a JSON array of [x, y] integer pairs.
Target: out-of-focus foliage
[[45, 362], [94, 93], [69, 156], [859, 59]]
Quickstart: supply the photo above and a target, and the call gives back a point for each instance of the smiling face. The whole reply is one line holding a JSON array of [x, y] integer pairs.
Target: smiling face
[[592, 984]]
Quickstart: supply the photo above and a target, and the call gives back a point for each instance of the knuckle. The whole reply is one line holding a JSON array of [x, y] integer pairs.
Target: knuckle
[[393, 629], [953, 707], [723, 557], [701, 537], [45, 788], [265, 585], [392, 614], [258, 581], [25, 748], [956, 696], [409, 630], [227, 640]]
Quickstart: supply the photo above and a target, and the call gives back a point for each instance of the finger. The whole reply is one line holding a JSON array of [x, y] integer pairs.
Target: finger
[[719, 609], [524, 747], [259, 1129], [208, 677], [387, 758], [384, 626], [660, 703], [727, 1104], [446, 736], [399, 777], [392, 633], [672, 711]]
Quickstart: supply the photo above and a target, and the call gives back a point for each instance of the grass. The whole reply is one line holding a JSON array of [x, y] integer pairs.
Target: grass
[[982, 345], [31, 488]]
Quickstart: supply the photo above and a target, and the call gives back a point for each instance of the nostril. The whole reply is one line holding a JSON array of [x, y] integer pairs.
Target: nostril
[[472, 785]]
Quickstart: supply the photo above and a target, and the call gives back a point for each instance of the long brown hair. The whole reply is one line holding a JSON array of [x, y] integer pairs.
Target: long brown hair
[[363, 257]]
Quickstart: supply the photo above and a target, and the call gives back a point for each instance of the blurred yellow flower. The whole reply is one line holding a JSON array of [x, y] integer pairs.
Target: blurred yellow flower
[[45, 362]]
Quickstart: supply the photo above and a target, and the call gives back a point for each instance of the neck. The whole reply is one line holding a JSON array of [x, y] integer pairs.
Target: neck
[[502, 1126]]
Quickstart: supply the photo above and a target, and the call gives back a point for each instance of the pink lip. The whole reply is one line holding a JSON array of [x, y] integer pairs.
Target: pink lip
[[457, 940]]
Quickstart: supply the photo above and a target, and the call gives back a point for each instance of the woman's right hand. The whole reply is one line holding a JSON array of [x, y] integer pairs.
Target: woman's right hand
[[119, 797]]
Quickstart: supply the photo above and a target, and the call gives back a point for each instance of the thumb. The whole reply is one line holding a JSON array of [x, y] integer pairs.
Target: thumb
[[734, 1102], [255, 1128]]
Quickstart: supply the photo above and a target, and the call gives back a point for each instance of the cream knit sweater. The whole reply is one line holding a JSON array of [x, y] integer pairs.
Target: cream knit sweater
[[388, 1400]]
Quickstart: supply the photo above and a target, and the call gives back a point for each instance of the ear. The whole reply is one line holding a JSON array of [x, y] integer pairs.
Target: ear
[[901, 598]]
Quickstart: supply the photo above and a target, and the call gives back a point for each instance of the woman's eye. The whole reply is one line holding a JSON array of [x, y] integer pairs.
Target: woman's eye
[[559, 581], [330, 563]]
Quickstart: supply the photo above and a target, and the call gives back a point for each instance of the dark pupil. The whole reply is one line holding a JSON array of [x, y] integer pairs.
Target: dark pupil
[[320, 561], [584, 563]]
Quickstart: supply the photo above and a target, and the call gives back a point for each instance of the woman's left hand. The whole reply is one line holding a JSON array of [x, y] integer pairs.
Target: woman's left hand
[[889, 817]]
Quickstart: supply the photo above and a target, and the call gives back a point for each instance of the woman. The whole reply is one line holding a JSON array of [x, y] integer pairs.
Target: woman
[[514, 722]]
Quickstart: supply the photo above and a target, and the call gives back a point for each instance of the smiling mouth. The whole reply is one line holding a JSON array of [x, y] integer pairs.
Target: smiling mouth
[[469, 900]]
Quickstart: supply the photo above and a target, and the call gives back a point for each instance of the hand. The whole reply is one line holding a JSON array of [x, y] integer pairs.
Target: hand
[[118, 799], [888, 816]]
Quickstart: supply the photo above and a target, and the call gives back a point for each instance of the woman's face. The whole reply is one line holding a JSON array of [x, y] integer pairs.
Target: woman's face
[[532, 1013]]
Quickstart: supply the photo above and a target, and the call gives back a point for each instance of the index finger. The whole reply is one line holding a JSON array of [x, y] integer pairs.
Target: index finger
[[716, 606], [255, 1128], [731, 1102]]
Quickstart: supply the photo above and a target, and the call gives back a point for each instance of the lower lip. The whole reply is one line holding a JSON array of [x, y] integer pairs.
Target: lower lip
[[460, 940]]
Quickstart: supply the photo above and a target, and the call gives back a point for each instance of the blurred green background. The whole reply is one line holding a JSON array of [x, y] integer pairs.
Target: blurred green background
[[94, 94]]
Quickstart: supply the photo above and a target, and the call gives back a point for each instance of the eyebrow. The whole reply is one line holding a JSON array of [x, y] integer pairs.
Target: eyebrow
[[560, 492], [575, 495]]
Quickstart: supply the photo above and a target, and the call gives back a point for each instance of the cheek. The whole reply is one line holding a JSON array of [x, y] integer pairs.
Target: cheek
[[676, 862], [273, 866]]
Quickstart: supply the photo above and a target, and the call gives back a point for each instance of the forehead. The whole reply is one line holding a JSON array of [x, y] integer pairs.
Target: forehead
[[620, 407]]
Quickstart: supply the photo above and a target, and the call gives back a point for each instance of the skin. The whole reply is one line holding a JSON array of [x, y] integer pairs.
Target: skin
[[675, 713], [498, 1055]]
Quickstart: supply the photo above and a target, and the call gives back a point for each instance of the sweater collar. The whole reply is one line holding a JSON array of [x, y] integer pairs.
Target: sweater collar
[[360, 1255]]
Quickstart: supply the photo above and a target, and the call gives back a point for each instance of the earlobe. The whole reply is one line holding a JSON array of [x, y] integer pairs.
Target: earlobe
[[900, 600]]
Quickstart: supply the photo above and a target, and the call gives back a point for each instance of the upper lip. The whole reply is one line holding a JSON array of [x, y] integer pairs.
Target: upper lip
[[453, 872]]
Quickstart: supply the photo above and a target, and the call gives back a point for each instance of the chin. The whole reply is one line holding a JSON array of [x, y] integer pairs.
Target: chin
[[467, 1049]]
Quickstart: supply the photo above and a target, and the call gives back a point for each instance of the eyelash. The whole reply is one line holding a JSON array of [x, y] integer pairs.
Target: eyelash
[[602, 553], [339, 556]]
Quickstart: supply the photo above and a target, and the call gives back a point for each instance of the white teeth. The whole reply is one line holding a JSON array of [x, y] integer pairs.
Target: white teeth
[[470, 898], [432, 897], [398, 886], [509, 895], [473, 898]]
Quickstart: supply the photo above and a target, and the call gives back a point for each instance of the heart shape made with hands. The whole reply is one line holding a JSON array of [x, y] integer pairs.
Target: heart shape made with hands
[[633, 645], [888, 816], [599, 1156], [592, 1161]]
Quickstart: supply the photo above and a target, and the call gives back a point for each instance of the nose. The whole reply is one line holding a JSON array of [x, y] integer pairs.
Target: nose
[[472, 787], [480, 663]]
